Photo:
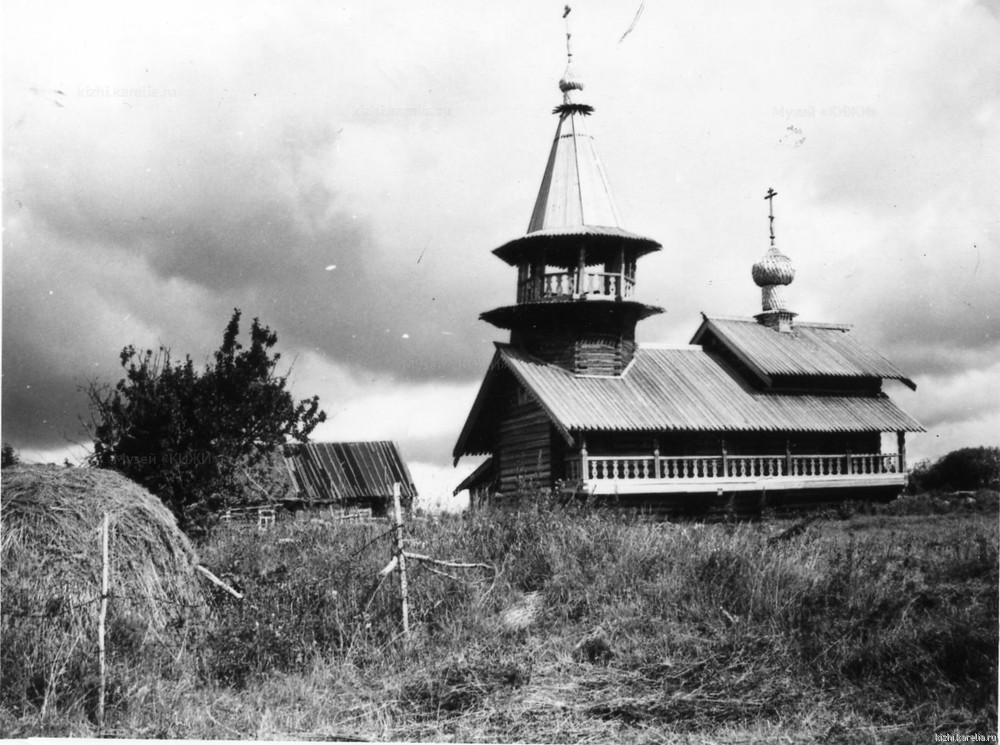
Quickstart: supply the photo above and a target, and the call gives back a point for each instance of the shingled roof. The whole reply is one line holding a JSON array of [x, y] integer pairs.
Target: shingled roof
[[810, 349], [680, 389]]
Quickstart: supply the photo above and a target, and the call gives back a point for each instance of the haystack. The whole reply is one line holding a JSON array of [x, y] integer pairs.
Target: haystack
[[51, 578]]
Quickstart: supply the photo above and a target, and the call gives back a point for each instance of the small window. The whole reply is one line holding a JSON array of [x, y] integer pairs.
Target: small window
[[522, 396]]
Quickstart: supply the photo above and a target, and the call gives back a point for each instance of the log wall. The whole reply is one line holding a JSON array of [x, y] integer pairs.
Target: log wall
[[523, 450]]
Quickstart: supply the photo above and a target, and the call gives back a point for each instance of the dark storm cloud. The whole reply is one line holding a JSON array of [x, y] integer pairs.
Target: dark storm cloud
[[284, 144], [262, 232]]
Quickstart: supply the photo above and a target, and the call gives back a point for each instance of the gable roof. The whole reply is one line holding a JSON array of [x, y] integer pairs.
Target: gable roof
[[342, 471], [679, 389], [810, 349]]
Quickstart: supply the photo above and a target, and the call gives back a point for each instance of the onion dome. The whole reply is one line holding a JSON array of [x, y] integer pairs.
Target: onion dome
[[570, 81], [773, 269]]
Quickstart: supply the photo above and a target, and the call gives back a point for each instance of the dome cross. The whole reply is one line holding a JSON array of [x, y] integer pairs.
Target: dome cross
[[771, 194]]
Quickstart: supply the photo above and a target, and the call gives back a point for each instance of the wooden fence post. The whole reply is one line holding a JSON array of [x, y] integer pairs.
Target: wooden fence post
[[101, 619], [401, 558]]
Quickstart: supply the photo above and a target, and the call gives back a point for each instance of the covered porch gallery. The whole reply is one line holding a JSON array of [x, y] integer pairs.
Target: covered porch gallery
[[643, 464]]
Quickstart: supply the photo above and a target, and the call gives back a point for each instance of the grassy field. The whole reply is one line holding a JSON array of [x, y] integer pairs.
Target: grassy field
[[594, 628]]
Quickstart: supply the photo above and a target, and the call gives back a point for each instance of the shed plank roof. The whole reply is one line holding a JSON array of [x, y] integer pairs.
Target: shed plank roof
[[341, 471], [811, 349]]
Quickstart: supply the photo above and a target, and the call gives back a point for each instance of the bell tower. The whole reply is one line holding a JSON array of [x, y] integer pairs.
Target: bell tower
[[576, 265]]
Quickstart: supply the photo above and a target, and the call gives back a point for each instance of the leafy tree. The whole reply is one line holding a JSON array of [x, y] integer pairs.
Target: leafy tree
[[966, 469], [199, 440], [8, 456]]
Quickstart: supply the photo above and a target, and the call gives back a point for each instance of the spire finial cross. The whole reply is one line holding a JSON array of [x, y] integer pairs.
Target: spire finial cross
[[771, 194], [569, 51]]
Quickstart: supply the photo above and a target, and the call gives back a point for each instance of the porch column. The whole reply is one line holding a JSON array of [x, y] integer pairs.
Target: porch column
[[725, 465], [585, 474], [581, 269], [901, 449], [656, 458], [788, 457]]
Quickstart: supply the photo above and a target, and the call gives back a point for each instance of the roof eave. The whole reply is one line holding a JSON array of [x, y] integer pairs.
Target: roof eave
[[461, 445]]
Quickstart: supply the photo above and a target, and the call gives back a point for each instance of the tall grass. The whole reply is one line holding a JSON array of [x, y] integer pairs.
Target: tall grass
[[862, 628]]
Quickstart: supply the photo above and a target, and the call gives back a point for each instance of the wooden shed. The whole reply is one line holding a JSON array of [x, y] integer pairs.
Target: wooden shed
[[349, 476]]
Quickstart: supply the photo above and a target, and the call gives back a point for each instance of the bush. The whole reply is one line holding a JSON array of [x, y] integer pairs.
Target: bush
[[966, 469], [199, 440]]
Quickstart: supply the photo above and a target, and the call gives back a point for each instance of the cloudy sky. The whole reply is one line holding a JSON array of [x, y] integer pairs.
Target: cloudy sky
[[343, 171]]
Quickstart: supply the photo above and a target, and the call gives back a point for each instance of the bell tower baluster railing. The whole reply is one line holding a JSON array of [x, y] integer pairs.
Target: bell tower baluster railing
[[564, 285]]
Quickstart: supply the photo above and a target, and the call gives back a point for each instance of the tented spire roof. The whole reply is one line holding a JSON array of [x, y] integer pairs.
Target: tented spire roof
[[575, 190]]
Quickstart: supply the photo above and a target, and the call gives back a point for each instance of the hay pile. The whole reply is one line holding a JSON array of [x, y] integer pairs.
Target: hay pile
[[50, 585]]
